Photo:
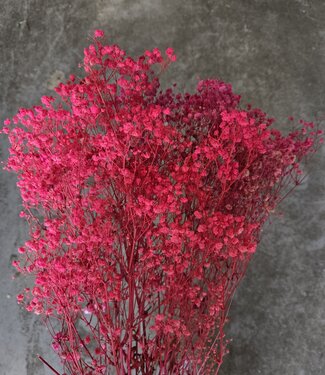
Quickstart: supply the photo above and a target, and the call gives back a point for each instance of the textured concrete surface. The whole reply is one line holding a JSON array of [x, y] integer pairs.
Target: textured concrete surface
[[273, 52]]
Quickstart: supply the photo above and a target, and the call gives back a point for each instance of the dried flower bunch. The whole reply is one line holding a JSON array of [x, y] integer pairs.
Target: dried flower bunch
[[144, 208]]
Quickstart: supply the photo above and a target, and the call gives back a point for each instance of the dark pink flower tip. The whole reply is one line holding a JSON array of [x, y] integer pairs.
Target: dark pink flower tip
[[169, 51], [99, 33]]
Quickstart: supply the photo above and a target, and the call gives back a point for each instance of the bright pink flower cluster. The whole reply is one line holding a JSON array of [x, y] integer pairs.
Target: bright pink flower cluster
[[145, 207]]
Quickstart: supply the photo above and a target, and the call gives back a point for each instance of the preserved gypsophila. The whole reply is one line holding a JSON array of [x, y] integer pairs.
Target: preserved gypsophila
[[144, 207]]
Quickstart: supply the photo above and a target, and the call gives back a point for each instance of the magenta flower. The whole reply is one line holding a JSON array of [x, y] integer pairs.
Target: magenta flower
[[144, 207]]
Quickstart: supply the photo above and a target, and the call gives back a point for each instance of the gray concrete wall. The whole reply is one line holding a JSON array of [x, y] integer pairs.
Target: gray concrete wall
[[273, 52]]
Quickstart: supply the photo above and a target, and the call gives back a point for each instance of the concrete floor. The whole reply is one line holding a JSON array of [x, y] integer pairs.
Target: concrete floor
[[273, 52]]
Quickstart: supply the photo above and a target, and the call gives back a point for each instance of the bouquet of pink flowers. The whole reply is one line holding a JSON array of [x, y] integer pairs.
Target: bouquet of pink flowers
[[144, 207]]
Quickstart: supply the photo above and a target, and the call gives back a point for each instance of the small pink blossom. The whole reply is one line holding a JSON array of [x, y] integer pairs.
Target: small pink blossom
[[99, 34]]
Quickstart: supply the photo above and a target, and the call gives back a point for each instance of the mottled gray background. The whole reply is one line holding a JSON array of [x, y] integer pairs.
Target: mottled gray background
[[273, 52]]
